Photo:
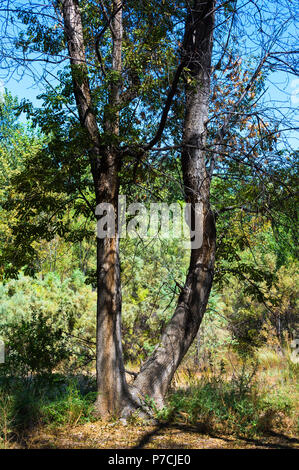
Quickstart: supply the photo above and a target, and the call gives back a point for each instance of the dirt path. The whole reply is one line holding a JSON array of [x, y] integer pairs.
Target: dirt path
[[118, 436]]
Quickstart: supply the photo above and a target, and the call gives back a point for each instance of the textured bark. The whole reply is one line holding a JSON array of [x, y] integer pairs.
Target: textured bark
[[75, 42], [156, 374], [111, 381], [105, 163]]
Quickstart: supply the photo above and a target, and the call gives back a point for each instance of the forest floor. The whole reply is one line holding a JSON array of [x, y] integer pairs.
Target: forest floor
[[99, 435], [209, 410]]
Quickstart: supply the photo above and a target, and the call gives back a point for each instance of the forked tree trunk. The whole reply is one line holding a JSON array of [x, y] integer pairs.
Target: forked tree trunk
[[156, 374]]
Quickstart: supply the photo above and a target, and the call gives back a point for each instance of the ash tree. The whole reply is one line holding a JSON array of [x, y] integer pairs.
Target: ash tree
[[131, 90]]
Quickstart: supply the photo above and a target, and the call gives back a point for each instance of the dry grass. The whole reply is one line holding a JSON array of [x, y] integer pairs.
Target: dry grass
[[101, 435], [275, 379]]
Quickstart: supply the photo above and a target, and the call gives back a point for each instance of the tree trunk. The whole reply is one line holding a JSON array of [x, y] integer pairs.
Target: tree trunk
[[105, 165], [111, 382], [157, 372]]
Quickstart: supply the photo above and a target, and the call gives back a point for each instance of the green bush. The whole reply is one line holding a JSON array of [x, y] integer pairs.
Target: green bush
[[35, 345], [150, 291], [46, 323], [44, 400], [235, 406]]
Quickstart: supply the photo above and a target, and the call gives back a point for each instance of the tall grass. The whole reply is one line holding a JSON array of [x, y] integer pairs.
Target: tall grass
[[242, 398], [51, 400], [244, 402]]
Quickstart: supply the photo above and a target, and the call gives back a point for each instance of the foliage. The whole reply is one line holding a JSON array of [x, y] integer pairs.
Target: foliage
[[242, 403], [44, 400], [255, 316], [45, 321], [17, 143], [148, 304]]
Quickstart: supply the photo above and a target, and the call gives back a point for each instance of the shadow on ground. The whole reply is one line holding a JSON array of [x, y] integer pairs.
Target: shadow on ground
[[271, 441]]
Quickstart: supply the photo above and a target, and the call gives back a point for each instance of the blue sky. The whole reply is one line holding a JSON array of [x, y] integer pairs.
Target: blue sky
[[23, 88]]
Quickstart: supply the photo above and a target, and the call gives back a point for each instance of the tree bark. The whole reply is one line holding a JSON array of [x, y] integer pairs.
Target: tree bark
[[111, 382], [156, 374], [105, 165]]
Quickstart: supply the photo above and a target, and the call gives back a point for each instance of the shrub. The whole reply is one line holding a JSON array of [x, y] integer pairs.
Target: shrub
[[46, 322], [238, 405], [44, 400], [35, 345]]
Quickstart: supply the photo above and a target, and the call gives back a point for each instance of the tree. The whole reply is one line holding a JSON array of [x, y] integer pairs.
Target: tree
[[156, 374], [109, 56], [17, 142]]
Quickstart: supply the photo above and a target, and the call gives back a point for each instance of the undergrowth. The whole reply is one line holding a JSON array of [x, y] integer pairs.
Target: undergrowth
[[253, 400], [51, 400], [243, 404]]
